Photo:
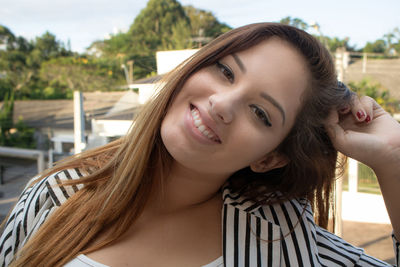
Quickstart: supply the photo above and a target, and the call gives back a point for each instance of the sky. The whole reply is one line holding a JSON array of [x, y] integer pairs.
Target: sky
[[81, 22]]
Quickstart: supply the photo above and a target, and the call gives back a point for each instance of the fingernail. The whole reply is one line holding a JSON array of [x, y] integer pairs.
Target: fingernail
[[360, 114], [367, 119]]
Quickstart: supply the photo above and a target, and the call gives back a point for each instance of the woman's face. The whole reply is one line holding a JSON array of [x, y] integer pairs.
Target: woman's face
[[234, 113]]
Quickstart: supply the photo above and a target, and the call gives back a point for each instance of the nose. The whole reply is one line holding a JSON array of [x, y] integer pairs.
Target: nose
[[222, 107]]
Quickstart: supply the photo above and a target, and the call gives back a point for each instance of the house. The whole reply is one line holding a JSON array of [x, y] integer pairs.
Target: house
[[166, 61], [54, 119]]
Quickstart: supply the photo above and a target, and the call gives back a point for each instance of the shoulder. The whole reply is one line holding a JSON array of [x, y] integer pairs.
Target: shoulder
[[37, 201], [289, 229], [58, 189], [282, 233], [279, 212]]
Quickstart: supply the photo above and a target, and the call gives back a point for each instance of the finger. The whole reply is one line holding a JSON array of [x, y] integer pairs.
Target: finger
[[368, 105], [334, 130], [344, 110], [357, 109]]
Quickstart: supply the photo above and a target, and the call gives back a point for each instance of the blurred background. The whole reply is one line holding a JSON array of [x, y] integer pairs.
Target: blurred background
[[74, 73]]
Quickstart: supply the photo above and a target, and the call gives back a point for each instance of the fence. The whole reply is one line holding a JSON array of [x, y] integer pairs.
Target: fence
[[360, 178]]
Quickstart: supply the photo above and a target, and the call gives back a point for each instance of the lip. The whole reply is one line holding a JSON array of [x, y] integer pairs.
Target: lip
[[194, 131]]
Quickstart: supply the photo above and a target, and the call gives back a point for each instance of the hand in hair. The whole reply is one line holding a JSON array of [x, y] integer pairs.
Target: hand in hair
[[369, 134]]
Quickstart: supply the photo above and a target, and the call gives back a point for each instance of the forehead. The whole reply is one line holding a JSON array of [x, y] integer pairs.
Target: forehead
[[275, 53]]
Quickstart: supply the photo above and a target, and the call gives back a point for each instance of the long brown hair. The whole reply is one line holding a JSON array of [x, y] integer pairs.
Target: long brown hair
[[122, 172]]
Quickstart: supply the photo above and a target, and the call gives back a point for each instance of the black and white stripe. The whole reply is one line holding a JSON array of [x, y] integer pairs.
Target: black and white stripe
[[274, 235], [36, 203], [285, 235]]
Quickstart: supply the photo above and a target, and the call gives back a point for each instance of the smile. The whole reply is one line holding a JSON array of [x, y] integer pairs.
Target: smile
[[207, 132]]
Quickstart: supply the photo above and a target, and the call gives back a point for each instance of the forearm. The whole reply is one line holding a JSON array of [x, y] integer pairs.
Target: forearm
[[389, 181]]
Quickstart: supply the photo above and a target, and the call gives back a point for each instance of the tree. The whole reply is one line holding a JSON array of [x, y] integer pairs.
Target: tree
[[379, 46], [153, 27], [63, 75], [334, 43], [393, 41], [14, 73], [161, 25], [204, 25], [18, 135], [45, 48], [6, 117], [296, 22], [21, 61], [377, 92], [7, 38], [117, 44]]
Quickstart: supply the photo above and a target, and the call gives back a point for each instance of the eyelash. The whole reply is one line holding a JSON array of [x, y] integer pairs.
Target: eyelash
[[261, 114], [226, 71]]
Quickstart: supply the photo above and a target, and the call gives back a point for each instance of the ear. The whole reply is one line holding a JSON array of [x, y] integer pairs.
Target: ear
[[271, 161]]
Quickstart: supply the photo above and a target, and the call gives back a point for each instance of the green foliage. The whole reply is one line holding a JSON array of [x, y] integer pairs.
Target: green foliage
[[392, 40], [379, 46], [377, 92], [389, 45], [334, 43], [66, 74], [18, 135], [45, 69], [7, 38], [6, 115], [331, 43], [296, 22], [117, 44], [180, 36], [161, 25], [22, 136], [5, 88], [153, 27], [204, 25]]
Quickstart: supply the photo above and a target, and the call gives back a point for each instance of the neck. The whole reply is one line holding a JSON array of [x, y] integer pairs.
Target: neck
[[184, 188]]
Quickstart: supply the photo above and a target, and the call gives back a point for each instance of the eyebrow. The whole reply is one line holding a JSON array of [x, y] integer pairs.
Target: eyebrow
[[239, 63], [275, 103]]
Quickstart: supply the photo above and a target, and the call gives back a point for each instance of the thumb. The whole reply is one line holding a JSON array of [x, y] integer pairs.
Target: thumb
[[334, 130]]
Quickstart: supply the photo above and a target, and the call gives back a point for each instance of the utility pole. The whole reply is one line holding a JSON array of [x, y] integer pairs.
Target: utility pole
[[130, 68], [79, 123], [128, 71], [364, 65]]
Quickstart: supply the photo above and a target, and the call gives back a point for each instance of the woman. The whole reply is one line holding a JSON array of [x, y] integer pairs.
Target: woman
[[246, 130]]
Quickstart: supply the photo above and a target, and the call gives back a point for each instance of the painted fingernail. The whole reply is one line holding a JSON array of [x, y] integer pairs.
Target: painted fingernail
[[367, 119], [360, 114]]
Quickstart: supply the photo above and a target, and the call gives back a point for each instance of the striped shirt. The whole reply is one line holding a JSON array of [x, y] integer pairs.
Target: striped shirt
[[282, 234]]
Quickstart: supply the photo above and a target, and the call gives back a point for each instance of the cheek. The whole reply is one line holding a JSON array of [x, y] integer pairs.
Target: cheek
[[255, 144], [169, 132]]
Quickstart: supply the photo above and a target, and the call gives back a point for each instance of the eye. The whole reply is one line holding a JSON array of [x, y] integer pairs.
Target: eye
[[226, 71], [261, 115]]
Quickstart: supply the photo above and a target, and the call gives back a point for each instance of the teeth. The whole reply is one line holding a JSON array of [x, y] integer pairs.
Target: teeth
[[199, 124]]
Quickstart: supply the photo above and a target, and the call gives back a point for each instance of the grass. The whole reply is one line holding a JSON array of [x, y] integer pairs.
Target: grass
[[367, 181]]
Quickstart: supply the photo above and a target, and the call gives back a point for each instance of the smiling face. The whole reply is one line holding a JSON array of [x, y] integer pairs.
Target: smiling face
[[234, 113]]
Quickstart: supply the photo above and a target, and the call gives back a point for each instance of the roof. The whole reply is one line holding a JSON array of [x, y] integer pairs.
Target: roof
[[152, 79], [59, 113]]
